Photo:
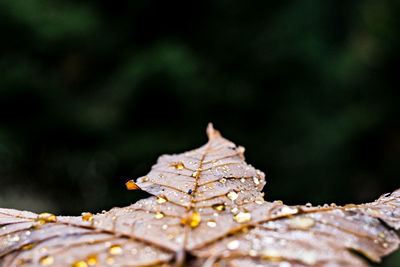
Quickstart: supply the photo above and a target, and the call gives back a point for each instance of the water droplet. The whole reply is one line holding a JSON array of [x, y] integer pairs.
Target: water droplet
[[87, 216], [159, 215], [28, 246], [242, 217], [255, 180], [271, 255], [218, 207], [232, 195], [234, 244], [165, 227], [287, 211], [15, 238], [145, 179], [194, 174], [300, 222], [385, 245], [242, 180], [222, 180], [46, 260], [79, 264], [92, 260], [259, 201], [252, 252], [177, 165], [46, 218], [234, 210], [193, 220], [115, 250], [211, 223], [308, 205], [130, 185], [161, 199]]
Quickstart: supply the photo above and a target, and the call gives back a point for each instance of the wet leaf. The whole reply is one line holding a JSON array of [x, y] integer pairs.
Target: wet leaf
[[207, 209]]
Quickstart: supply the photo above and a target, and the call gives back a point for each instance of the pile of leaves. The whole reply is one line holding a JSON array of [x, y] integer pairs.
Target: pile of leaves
[[207, 209]]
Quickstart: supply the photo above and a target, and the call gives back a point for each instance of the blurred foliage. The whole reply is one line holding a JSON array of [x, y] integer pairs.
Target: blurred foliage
[[92, 92]]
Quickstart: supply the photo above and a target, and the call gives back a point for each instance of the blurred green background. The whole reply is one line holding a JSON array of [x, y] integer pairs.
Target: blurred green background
[[92, 92]]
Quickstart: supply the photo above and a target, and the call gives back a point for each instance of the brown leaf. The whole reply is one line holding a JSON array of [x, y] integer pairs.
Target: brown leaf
[[207, 208]]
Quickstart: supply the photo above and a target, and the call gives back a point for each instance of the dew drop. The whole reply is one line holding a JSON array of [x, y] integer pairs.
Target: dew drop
[[159, 215], [193, 220], [87, 216], [46, 218], [46, 260], [218, 207], [164, 227], [242, 180], [115, 250], [194, 174], [232, 195], [92, 260], [242, 217], [287, 211], [255, 180], [211, 223], [301, 222], [234, 244], [28, 246], [161, 199], [177, 165], [79, 264], [222, 180], [252, 252], [145, 179], [131, 185]]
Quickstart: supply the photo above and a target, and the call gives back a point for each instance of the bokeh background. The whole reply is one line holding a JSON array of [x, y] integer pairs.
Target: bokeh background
[[92, 92]]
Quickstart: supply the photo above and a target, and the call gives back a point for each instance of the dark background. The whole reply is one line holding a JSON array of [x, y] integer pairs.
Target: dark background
[[92, 92]]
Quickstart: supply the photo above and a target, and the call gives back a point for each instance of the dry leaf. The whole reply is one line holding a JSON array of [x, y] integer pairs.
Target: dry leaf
[[207, 209]]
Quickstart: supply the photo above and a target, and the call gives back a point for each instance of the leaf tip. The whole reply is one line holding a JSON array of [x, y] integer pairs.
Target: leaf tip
[[211, 132]]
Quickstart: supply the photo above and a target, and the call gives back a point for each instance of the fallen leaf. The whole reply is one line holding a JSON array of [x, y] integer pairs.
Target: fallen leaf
[[207, 209]]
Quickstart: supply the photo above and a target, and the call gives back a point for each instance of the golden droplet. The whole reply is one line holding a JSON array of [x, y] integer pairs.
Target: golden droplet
[[242, 217], [222, 180], [218, 207], [271, 255], [193, 220], [301, 222], [161, 199], [234, 244], [382, 235], [79, 264], [130, 185], [159, 215], [46, 218], [211, 223], [194, 174], [232, 195], [28, 246], [177, 165], [115, 250], [87, 216], [46, 260], [92, 260], [145, 179]]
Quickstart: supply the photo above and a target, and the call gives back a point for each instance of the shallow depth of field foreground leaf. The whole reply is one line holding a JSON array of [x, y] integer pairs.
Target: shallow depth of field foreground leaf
[[207, 209]]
